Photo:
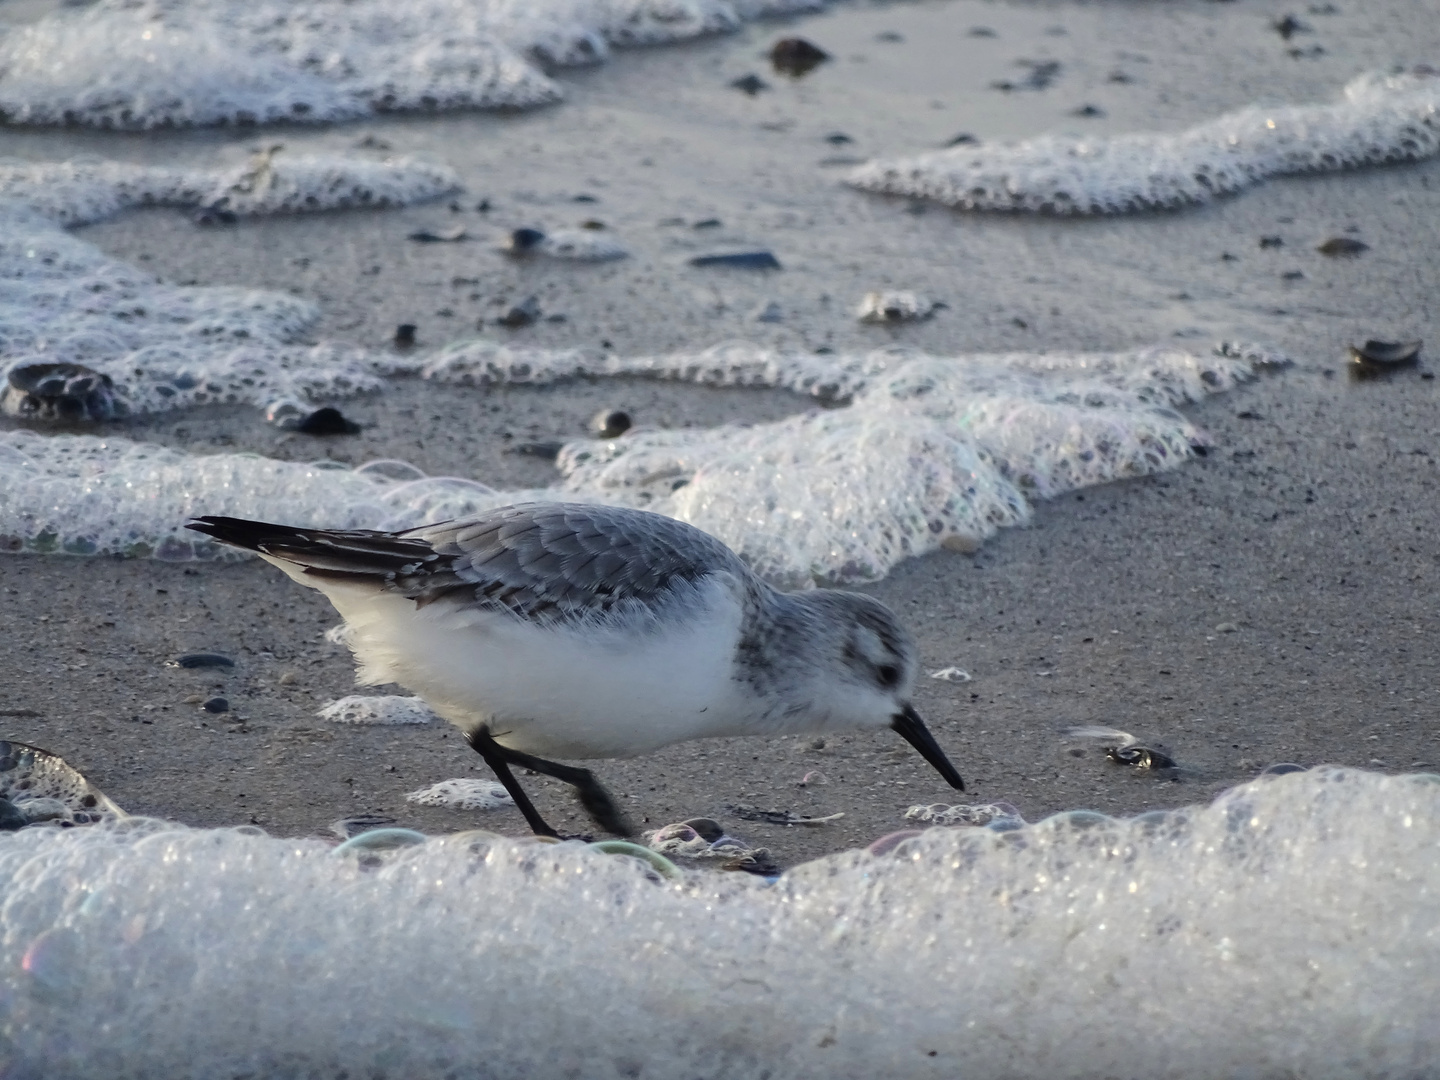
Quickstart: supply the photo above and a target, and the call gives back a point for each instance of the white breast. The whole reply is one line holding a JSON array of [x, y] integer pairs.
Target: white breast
[[578, 691]]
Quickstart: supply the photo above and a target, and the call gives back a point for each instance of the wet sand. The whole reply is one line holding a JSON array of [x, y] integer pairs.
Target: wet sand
[[1308, 531]]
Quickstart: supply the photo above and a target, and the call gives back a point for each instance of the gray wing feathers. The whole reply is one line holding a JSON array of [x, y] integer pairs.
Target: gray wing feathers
[[562, 560]]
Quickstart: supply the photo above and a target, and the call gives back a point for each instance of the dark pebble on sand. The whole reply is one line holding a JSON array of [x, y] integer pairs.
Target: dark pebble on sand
[[708, 223], [11, 819], [963, 139], [439, 236], [327, 421], [1271, 242], [523, 240], [982, 31], [740, 260], [522, 314], [1292, 275], [216, 705], [1288, 26], [610, 423], [1089, 111], [405, 335], [546, 451], [211, 216], [838, 138], [1342, 245], [890, 37], [750, 84], [201, 660], [585, 198], [796, 56]]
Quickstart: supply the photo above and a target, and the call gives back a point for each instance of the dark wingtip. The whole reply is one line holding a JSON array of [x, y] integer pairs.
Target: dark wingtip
[[914, 731], [238, 532]]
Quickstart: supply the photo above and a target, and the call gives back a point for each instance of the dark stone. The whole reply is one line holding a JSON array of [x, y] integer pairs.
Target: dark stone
[[1141, 757], [963, 139], [1343, 246], [1089, 111], [838, 138], [524, 240], [201, 660], [405, 335], [610, 423], [522, 314], [216, 705], [740, 260], [750, 84], [796, 56], [328, 421], [1288, 26]]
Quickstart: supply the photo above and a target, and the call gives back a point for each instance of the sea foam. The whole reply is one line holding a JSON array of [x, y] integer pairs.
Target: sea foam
[[159, 63], [1379, 119], [929, 452], [1287, 929]]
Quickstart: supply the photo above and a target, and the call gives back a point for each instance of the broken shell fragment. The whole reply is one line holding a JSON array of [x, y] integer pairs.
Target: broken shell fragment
[[439, 236], [60, 391], [1377, 357], [896, 307], [1141, 757]]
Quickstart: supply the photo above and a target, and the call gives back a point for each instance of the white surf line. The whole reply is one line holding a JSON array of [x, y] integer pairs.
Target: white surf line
[[1379, 119], [117, 64], [931, 452]]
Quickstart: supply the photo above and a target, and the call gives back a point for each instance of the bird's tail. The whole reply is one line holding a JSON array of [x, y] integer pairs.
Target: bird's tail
[[352, 554]]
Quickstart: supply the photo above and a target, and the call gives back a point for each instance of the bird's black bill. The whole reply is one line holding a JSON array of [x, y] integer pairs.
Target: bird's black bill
[[909, 724]]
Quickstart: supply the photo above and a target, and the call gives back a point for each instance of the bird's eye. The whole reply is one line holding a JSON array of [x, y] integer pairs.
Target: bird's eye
[[888, 674]]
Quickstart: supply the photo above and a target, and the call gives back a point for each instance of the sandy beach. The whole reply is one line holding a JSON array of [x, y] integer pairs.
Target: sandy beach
[[1268, 602]]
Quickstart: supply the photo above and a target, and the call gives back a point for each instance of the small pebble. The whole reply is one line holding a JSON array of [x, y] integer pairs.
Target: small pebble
[[740, 260], [522, 314], [1272, 242], [288, 678], [327, 421], [1089, 111], [1342, 246], [1378, 357], [769, 313], [1226, 628], [201, 660], [610, 423], [546, 451], [963, 139], [838, 138], [796, 56], [750, 84], [1288, 26], [405, 335], [522, 241], [439, 236], [215, 705], [896, 306]]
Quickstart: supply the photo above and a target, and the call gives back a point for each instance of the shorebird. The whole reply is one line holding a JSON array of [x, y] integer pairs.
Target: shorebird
[[564, 630]]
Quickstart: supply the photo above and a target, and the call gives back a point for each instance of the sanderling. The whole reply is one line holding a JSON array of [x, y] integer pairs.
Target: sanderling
[[560, 630]]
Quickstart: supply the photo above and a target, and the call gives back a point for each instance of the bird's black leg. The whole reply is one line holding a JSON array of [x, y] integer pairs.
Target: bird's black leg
[[494, 755], [593, 796]]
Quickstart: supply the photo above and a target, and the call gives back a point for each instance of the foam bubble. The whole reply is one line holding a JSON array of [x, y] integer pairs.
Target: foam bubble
[[1379, 119], [930, 452], [377, 709], [463, 794], [162, 346], [1288, 929], [153, 63]]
